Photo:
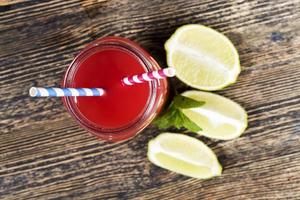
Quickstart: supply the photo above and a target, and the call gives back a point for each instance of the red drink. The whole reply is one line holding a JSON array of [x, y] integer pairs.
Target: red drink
[[121, 104], [123, 111]]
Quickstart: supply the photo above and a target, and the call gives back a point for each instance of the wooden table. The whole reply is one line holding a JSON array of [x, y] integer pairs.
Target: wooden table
[[44, 154]]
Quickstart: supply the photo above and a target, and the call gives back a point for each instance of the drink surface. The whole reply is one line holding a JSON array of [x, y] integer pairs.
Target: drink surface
[[120, 105]]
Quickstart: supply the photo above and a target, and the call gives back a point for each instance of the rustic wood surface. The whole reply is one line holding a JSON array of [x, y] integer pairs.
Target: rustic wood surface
[[44, 154]]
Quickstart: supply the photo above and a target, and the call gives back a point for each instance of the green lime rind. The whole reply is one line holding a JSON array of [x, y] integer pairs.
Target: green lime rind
[[237, 67]]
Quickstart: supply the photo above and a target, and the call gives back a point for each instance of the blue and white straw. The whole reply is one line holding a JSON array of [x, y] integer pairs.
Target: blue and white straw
[[64, 92]]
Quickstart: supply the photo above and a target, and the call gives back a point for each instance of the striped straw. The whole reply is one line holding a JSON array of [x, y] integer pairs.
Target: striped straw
[[149, 76], [64, 92]]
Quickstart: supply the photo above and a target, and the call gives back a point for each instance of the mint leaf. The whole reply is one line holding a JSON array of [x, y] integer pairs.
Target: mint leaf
[[189, 124], [166, 120], [174, 116], [186, 102]]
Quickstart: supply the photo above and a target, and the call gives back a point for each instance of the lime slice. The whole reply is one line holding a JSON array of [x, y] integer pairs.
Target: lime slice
[[203, 58], [219, 117], [184, 155]]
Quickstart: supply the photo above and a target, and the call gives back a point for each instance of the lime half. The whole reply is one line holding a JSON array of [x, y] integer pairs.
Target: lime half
[[219, 117], [203, 58], [184, 155]]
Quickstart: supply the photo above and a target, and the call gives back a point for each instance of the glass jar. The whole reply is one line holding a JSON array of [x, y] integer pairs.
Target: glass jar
[[156, 99]]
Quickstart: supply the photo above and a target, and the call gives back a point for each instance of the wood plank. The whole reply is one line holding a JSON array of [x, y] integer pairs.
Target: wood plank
[[54, 67], [44, 154], [9, 2]]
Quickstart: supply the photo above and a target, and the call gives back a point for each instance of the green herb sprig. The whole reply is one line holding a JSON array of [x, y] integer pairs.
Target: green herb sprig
[[174, 116]]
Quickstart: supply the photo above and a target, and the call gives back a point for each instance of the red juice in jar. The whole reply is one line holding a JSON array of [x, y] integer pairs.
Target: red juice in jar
[[123, 111]]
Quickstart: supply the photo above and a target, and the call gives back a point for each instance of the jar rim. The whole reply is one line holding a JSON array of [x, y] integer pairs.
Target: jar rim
[[141, 121]]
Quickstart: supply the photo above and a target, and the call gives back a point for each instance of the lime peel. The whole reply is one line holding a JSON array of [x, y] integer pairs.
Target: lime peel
[[202, 57], [197, 161], [220, 117]]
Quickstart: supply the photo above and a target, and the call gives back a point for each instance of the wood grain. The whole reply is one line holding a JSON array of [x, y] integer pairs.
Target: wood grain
[[44, 154]]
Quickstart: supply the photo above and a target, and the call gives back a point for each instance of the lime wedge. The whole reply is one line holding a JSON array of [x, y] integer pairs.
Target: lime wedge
[[219, 117], [184, 155], [203, 58]]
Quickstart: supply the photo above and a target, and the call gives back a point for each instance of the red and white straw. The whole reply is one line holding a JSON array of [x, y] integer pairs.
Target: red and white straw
[[149, 76]]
